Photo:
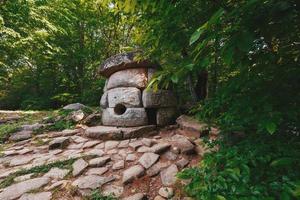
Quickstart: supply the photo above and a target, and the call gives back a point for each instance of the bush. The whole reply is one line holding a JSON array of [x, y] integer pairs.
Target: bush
[[259, 167]]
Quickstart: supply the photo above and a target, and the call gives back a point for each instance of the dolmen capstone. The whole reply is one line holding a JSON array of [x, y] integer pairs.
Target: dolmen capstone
[[126, 102]]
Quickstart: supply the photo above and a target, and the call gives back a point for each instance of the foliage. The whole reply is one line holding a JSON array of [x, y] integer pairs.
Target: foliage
[[50, 51], [96, 195], [250, 50], [259, 167]]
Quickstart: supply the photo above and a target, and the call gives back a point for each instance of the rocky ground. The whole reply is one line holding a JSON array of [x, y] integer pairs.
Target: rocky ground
[[69, 164]]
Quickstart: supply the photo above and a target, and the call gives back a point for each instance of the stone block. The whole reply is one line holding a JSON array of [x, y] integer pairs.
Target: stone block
[[128, 78], [130, 117], [165, 116], [160, 98], [127, 96]]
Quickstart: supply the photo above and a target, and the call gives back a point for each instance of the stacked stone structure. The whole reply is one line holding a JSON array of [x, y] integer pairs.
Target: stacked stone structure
[[126, 102]]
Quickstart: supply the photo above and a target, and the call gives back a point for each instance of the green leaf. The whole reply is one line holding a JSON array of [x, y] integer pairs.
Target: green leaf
[[220, 197], [196, 35], [174, 78], [271, 127]]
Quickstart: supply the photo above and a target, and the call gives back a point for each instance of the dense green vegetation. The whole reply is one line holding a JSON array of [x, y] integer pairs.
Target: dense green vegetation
[[234, 64]]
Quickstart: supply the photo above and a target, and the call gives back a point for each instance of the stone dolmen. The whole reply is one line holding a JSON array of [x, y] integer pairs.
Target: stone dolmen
[[126, 102]]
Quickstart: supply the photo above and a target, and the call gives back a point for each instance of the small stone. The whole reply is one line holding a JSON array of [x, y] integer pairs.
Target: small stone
[[135, 144], [124, 144], [16, 190], [170, 155], [99, 162], [123, 152], [112, 151], [59, 143], [113, 190], [110, 145], [25, 151], [131, 157], [97, 171], [90, 144], [166, 192], [57, 173], [147, 142], [36, 196], [23, 178], [79, 166], [75, 146], [168, 175], [159, 148], [78, 139], [148, 159], [91, 181], [77, 115], [116, 157], [94, 152], [144, 149], [182, 143], [118, 165], [70, 132], [156, 168], [138, 196], [21, 135], [182, 163], [133, 172], [55, 152]]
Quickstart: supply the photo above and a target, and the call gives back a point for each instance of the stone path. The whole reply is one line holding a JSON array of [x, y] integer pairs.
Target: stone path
[[132, 169]]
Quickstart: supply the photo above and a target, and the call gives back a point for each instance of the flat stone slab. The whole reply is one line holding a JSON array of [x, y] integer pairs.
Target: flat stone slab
[[91, 181], [36, 196], [119, 133], [57, 173], [128, 78], [148, 159], [78, 167], [131, 117], [21, 135], [59, 143], [16, 190], [191, 124], [158, 99], [138, 196], [168, 175], [123, 61], [133, 172]]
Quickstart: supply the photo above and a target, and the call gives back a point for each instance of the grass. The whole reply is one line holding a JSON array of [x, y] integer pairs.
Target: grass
[[96, 195], [38, 170]]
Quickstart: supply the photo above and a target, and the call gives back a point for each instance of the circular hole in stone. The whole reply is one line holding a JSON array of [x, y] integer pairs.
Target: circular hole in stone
[[120, 109]]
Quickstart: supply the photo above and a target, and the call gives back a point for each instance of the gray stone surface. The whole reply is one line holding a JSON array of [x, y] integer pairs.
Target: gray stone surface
[[91, 181], [110, 145], [57, 173], [133, 172], [79, 166], [165, 116], [182, 163], [113, 190], [130, 97], [182, 143], [128, 78], [104, 132], [148, 159], [104, 100], [99, 162], [158, 99], [118, 165], [16, 190], [122, 61], [59, 143], [191, 124], [131, 117], [160, 147], [97, 171], [157, 167], [21, 160], [168, 175], [21, 135], [36, 196]]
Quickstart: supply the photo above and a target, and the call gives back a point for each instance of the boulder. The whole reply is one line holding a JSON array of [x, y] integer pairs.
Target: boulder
[[123, 61], [128, 78], [165, 116], [131, 117], [127, 96], [158, 99], [182, 143], [188, 123], [74, 106]]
